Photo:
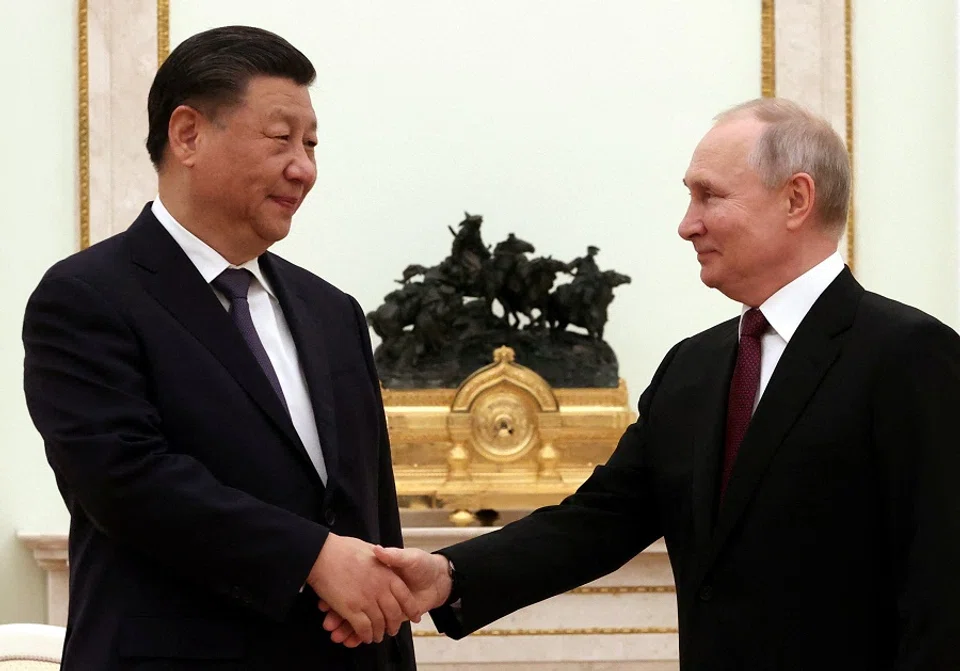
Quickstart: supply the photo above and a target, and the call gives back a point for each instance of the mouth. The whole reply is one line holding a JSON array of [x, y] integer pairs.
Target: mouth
[[286, 202]]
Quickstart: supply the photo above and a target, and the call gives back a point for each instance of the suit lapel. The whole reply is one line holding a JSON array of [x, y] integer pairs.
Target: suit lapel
[[168, 275], [711, 395], [807, 358], [313, 354]]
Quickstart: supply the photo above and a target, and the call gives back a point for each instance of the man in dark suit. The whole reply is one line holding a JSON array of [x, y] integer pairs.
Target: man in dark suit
[[801, 461], [211, 411]]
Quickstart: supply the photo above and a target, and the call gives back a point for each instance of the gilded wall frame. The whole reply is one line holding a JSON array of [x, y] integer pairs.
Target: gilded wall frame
[[768, 87], [83, 102]]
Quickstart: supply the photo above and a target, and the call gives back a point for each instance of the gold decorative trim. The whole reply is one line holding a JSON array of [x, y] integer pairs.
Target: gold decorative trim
[[163, 31], [504, 369], [428, 400], [418, 398], [588, 631], [584, 396], [848, 67], [768, 89], [83, 122], [83, 100], [768, 49], [625, 589]]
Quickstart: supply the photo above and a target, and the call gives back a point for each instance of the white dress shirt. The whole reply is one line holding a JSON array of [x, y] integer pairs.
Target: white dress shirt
[[786, 309], [271, 326]]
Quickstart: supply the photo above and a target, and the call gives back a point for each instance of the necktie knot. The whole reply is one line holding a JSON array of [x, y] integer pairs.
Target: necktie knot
[[233, 283], [753, 324]]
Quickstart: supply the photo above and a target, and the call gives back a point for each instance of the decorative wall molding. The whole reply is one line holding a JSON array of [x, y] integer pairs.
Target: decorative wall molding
[[163, 31], [768, 49], [119, 44], [808, 45]]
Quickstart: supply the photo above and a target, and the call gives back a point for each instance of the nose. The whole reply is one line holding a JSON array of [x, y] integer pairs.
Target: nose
[[302, 167], [691, 225]]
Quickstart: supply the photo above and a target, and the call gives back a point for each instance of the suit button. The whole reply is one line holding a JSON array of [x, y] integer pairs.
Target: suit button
[[330, 518], [706, 593]]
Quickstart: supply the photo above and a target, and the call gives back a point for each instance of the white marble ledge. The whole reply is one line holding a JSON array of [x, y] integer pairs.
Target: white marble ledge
[[434, 538], [555, 666], [525, 651], [50, 553], [49, 549]]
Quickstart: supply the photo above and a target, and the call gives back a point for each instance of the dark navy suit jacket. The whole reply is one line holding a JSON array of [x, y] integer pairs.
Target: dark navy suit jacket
[[196, 514]]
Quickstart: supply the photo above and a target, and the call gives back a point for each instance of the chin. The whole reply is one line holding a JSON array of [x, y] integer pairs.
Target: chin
[[274, 231], [708, 278]]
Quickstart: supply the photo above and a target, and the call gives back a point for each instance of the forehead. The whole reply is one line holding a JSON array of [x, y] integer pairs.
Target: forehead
[[724, 150], [279, 99]]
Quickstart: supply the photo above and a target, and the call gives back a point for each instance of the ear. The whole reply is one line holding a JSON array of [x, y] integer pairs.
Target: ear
[[183, 133], [801, 194]]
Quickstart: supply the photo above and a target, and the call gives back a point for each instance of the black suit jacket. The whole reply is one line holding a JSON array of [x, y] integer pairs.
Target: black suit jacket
[[196, 514], [837, 545]]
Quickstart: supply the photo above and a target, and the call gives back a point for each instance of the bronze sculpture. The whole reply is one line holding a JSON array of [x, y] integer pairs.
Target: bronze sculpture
[[440, 328]]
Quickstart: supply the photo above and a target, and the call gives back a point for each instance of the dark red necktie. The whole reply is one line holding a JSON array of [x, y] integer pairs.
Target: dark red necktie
[[743, 389]]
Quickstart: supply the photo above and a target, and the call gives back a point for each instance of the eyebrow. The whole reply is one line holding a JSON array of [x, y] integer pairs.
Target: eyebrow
[[699, 183], [278, 113]]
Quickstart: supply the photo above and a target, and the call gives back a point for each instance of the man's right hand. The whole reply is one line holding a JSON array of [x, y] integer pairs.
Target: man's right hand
[[426, 575], [367, 594]]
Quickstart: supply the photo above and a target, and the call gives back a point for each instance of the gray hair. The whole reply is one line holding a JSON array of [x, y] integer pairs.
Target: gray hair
[[797, 140]]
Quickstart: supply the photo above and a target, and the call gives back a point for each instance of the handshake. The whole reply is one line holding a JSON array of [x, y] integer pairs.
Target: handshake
[[368, 591]]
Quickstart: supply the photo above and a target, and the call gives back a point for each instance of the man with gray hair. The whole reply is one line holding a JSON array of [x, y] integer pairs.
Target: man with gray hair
[[800, 460]]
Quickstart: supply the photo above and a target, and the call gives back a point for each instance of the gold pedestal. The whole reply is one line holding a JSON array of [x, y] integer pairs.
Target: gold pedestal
[[503, 440]]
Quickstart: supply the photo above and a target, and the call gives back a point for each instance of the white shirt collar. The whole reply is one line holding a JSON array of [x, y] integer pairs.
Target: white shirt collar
[[207, 260], [786, 309]]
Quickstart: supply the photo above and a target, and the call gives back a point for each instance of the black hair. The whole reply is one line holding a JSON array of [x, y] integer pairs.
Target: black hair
[[211, 70]]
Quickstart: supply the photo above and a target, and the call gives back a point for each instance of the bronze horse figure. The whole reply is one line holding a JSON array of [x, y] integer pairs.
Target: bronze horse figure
[[566, 305]]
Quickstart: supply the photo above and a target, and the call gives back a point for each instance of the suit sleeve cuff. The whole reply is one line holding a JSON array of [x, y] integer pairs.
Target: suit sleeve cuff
[[447, 620]]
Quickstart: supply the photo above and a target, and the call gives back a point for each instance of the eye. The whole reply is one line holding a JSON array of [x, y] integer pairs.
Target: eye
[[310, 144], [283, 138]]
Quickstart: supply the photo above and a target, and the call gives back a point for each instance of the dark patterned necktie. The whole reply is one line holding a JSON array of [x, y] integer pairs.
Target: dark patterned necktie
[[234, 284], [743, 389]]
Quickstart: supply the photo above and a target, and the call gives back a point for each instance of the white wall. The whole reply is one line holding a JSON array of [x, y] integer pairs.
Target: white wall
[[905, 143], [568, 122], [37, 188]]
